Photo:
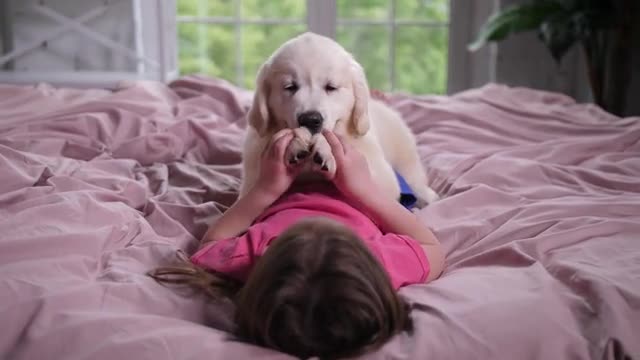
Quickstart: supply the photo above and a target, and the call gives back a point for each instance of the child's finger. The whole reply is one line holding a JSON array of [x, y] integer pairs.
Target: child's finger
[[280, 134], [336, 145], [280, 146], [274, 139], [346, 147]]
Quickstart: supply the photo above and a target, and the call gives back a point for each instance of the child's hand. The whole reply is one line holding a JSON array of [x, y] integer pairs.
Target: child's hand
[[352, 176], [275, 175]]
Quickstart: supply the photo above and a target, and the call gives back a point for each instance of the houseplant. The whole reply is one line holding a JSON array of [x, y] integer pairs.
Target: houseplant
[[603, 28]]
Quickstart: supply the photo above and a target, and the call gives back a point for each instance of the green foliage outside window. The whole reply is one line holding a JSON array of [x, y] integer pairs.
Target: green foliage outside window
[[420, 52]]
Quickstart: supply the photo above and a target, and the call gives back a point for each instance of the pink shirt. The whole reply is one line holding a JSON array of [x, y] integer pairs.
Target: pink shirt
[[401, 256]]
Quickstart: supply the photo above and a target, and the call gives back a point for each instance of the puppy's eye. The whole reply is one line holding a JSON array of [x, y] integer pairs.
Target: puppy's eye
[[330, 88], [291, 87]]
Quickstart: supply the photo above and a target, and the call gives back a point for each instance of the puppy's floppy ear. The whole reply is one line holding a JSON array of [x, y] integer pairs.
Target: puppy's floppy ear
[[259, 116], [360, 116]]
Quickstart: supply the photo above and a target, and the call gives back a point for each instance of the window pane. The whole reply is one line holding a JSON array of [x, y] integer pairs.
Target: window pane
[[428, 10], [363, 9], [370, 46], [207, 49], [258, 42], [280, 9], [213, 8], [421, 59]]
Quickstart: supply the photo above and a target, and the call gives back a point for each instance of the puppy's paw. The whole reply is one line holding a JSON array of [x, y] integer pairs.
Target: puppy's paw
[[299, 147], [322, 158], [426, 196], [431, 195]]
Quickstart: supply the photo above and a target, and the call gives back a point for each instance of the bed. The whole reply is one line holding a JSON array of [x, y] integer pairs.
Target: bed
[[540, 218]]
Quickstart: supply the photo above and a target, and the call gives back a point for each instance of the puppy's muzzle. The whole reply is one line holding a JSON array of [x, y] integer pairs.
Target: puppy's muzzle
[[312, 120]]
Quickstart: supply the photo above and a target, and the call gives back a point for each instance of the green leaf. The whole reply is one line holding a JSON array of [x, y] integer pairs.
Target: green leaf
[[515, 19]]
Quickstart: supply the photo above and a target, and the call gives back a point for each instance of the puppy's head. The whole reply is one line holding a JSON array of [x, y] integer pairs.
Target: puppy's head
[[311, 81]]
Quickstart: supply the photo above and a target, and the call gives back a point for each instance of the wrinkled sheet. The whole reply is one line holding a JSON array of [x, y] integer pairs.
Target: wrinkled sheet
[[540, 219]]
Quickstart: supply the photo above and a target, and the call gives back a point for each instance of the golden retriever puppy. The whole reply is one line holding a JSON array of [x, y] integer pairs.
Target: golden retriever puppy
[[312, 83]]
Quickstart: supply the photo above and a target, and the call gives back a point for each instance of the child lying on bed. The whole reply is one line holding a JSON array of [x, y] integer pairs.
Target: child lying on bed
[[320, 263]]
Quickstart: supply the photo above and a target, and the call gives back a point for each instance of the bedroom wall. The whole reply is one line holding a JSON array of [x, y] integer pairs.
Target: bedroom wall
[[469, 69], [522, 60]]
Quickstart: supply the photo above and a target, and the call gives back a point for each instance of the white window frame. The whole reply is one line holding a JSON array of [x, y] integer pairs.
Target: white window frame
[[154, 49]]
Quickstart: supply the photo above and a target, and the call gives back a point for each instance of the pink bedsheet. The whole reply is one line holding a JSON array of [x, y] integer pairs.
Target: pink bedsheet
[[540, 219]]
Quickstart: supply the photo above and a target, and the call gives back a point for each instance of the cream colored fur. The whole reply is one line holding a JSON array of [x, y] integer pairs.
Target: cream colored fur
[[313, 62]]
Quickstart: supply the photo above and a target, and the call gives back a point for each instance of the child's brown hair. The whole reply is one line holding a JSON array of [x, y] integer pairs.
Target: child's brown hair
[[316, 291]]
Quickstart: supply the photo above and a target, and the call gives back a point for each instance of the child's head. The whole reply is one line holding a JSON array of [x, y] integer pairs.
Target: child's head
[[318, 291]]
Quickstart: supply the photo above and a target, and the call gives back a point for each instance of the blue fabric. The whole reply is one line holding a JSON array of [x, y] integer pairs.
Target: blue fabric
[[407, 197]]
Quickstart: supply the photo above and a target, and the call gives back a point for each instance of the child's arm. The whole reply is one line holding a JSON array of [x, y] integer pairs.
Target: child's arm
[[392, 217], [240, 216], [274, 179], [353, 178]]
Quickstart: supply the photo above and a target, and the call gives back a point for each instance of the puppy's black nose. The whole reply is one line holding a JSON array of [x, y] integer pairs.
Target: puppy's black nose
[[312, 120]]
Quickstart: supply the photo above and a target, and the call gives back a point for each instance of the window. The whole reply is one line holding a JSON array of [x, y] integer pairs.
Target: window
[[231, 38], [402, 44]]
